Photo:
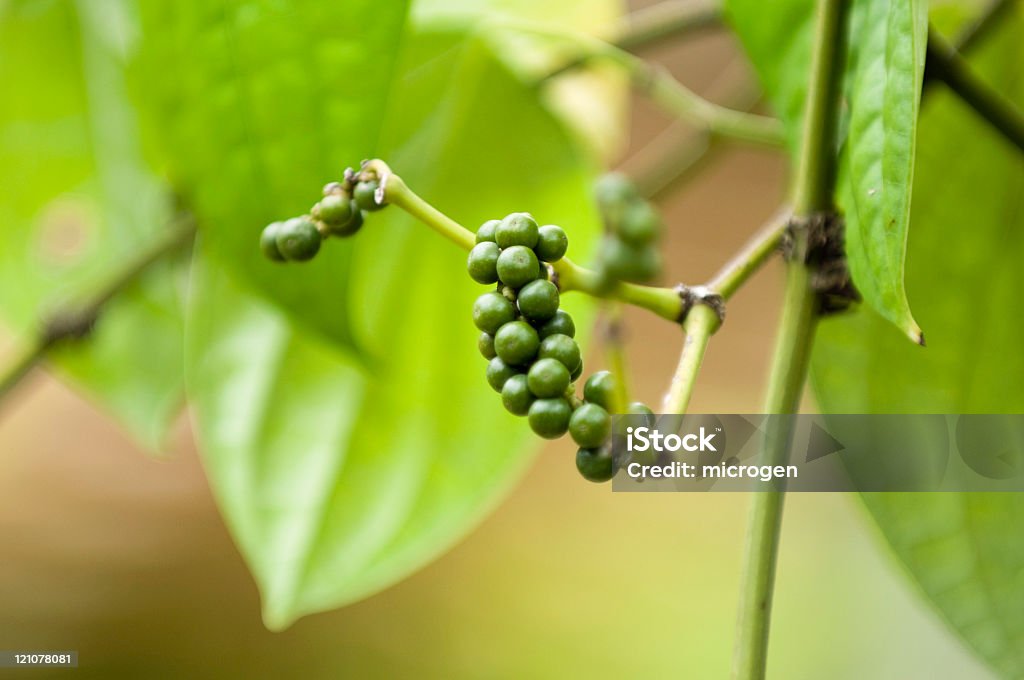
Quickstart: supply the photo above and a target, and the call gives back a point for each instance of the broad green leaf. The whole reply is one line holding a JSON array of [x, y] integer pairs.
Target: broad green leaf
[[340, 475], [885, 65], [878, 160], [964, 272], [77, 203], [269, 101]]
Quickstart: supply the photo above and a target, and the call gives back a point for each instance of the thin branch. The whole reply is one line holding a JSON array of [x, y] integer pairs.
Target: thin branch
[[700, 324], [751, 257], [679, 151], [674, 154], [703, 320], [648, 27], [615, 350], [76, 322], [945, 64], [665, 302], [657, 83], [974, 33]]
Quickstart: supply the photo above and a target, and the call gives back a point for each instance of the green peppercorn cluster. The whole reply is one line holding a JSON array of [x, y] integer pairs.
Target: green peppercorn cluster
[[529, 342], [628, 249], [339, 213]]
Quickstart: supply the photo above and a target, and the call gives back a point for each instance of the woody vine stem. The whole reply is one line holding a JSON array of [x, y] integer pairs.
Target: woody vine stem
[[813, 189]]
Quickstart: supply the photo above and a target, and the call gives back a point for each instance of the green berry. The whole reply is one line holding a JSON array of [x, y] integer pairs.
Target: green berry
[[596, 465], [365, 196], [517, 265], [515, 395], [627, 262], [640, 224], [638, 408], [333, 188], [516, 343], [354, 224], [551, 243], [548, 378], [498, 372], [561, 323], [485, 343], [590, 426], [491, 311], [486, 231], [614, 189], [563, 348], [298, 239], [517, 229], [575, 375], [600, 389], [335, 209], [482, 263], [549, 418], [542, 271], [538, 300], [268, 242]]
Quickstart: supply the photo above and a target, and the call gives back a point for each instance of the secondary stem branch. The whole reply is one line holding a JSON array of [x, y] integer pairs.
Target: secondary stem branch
[[702, 321], [657, 83], [76, 322], [665, 302], [944, 63]]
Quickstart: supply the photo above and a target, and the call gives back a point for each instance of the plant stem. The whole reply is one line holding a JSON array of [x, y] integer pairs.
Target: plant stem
[[649, 26], [76, 322], [16, 370], [657, 83], [945, 64], [616, 353], [989, 19], [702, 321], [679, 151], [789, 368], [814, 185], [749, 259], [674, 154], [665, 302], [700, 324]]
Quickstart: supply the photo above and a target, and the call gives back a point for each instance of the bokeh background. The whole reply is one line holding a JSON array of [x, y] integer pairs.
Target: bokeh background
[[125, 558]]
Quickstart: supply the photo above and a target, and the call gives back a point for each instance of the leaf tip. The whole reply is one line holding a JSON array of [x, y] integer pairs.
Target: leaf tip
[[915, 334], [276, 621]]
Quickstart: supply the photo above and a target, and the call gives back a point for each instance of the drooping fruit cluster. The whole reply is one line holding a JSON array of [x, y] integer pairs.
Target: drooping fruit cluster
[[339, 213], [534, 360], [628, 250]]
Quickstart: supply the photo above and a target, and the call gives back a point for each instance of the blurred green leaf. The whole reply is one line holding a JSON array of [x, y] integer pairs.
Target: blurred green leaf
[[78, 202], [339, 477], [269, 101], [963, 270], [885, 65]]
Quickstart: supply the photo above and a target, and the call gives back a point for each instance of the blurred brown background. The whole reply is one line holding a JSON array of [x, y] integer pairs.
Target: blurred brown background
[[125, 558]]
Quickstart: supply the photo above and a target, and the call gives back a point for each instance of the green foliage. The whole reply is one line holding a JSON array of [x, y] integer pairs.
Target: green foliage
[[269, 101], [340, 473], [76, 198], [964, 274], [885, 64], [338, 404]]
